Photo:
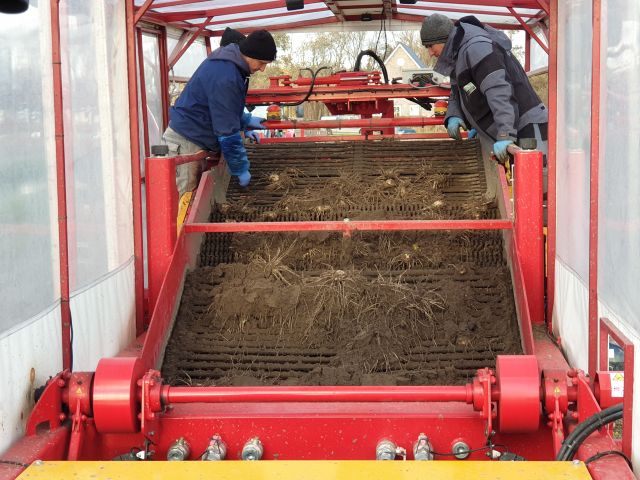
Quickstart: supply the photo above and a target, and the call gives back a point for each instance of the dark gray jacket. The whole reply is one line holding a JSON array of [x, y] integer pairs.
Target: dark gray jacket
[[489, 88]]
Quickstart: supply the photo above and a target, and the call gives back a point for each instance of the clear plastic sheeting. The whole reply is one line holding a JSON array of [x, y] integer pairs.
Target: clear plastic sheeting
[[190, 60], [96, 138], [573, 133], [570, 315], [571, 311], [28, 358], [619, 182], [153, 85], [28, 213], [104, 318], [539, 58]]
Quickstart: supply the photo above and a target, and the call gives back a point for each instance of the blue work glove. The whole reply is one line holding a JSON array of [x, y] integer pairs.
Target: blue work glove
[[252, 135], [234, 153], [500, 150], [255, 123], [453, 127], [473, 133], [244, 178]]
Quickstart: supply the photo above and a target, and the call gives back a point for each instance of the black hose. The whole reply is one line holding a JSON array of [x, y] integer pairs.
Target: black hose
[[583, 430], [309, 92], [373, 55]]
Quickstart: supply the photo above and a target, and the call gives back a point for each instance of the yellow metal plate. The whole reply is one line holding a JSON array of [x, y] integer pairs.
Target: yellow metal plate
[[307, 470]]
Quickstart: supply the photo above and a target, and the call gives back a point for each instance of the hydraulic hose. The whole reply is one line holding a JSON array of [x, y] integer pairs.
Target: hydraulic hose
[[373, 55], [581, 433]]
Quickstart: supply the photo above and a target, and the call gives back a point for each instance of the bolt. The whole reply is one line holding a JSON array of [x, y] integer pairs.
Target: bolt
[[252, 450], [38, 463], [62, 417], [61, 383]]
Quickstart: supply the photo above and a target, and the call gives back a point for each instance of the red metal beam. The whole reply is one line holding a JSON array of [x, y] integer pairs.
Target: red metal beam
[[136, 190], [528, 228], [368, 123], [218, 12], [348, 226], [342, 93], [61, 183], [141, 11], [467, 11], [609, 329], [532, 4], [529, 30], [552, 160], [409, 17], [286, 26], [353, 138], [262, 17], [175, 395], [594, 190], [544, 4], [335, 8]]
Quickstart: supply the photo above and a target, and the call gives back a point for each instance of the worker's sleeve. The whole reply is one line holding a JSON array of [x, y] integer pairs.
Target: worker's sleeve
[[489, 74], [234, 153], [453, 106], [226, 97]]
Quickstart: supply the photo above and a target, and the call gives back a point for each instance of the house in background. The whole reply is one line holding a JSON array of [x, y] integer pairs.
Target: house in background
[[401, 59]]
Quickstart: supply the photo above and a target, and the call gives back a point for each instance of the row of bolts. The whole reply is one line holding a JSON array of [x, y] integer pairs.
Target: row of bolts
[[253, 450]]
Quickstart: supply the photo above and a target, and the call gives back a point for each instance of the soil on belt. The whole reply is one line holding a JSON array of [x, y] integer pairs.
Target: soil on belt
[[375, 308]]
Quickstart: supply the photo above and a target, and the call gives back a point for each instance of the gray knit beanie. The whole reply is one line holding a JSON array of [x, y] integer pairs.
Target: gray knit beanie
[[435, 29]]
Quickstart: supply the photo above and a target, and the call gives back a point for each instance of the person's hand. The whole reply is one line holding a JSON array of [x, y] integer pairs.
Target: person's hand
[[252, 135], [453, 127], [500, 150], [244, 178], [473, 133], [255, 123]]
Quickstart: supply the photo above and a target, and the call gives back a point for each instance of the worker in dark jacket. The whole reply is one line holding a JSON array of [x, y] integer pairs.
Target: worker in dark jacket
[[490, 91], [209, 112]]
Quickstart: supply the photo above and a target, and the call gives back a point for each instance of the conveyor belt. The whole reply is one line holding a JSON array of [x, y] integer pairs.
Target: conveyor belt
[[466, 270]]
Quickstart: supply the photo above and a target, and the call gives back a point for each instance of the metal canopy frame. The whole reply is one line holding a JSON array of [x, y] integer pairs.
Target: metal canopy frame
[[214, 16]]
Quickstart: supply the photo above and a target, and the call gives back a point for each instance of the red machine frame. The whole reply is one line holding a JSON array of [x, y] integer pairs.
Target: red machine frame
[[139, 391], [125, 401]]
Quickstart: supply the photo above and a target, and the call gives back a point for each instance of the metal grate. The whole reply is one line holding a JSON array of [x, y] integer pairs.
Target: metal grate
[[466, 269]]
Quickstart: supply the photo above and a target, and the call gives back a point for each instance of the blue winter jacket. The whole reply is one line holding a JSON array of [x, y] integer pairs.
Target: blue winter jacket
[[209, 112]]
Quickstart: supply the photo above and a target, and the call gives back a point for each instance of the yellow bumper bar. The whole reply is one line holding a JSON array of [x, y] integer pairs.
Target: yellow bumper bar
[[308, 470]]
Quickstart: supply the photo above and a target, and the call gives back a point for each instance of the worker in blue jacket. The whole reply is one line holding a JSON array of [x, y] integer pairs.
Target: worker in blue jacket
[[209, 114], [490, 91]]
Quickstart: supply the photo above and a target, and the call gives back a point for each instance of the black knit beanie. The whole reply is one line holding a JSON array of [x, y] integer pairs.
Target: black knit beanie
[[435, 29], [231, 36], [259, 45]]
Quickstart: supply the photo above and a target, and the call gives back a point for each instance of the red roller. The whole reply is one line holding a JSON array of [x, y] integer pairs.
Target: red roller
[[115, 395], [518, 381]]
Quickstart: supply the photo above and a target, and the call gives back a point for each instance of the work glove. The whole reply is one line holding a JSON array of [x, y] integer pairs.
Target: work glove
[[255, 123], [244, 178], [252, 135], [500, 150], [453, 127], [473, 133], [235, 155]]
